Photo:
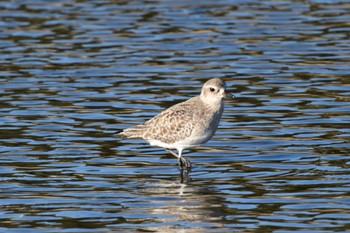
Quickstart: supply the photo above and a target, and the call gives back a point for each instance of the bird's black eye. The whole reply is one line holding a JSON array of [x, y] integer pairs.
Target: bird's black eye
[[212, 89]]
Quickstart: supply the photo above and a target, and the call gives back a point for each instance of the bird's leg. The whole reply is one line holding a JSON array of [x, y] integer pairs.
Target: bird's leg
[[172, 153], [179, 162], [182, 162], [186, 162]]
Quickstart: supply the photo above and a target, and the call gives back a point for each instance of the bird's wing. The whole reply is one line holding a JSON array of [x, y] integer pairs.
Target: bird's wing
[[171, 125]]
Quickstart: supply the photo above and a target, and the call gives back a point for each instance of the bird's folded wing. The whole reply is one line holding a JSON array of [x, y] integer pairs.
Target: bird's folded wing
[[170, 126]]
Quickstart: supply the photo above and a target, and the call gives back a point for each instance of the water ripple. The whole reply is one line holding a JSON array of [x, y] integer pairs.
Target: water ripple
[[75, 72]]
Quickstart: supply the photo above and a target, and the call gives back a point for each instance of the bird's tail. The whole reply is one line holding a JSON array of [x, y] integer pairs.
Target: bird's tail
[[135, 132]]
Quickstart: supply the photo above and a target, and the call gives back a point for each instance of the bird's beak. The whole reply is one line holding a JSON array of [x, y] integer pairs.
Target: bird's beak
[[228, 95]]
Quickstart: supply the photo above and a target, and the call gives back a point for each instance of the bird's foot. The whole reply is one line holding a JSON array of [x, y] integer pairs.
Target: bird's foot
[[185, 169], [183, 162], [185, 176]]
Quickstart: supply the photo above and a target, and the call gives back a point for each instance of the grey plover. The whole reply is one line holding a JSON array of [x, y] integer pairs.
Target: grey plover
[[186, 124]]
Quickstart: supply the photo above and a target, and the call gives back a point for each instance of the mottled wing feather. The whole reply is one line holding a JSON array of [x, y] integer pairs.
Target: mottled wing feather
[[172, 125]]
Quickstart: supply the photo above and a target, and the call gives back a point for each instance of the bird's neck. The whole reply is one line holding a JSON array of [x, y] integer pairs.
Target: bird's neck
[[213, 104]]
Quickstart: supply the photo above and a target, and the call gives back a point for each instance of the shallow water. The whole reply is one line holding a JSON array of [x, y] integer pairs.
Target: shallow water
[[75, 72]]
